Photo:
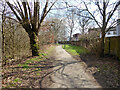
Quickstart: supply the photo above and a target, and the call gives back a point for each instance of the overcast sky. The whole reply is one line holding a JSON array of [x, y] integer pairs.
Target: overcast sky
[[60, 12], [79, 5]]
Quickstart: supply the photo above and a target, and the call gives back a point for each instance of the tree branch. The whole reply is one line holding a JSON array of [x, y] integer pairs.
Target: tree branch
[[99, 7], [92, 15], [112, 12], [11, 7], [25, 10]]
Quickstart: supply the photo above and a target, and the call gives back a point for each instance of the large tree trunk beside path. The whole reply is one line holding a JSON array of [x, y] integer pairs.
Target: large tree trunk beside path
[[34, 44]]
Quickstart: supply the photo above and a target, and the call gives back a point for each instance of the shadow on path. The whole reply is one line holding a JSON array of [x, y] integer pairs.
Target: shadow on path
[[105, 70]]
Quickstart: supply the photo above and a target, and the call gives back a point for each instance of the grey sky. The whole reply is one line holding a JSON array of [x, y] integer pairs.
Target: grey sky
[[60, 13]]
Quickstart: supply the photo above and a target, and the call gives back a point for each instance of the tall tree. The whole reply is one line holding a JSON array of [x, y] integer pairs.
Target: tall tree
[[57, 28], [105, 10], [83, 22], [30, 19], [71, 21], [2, 12]]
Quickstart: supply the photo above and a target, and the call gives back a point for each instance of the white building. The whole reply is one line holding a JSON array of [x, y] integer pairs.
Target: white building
[[116, 30], [113, 32]]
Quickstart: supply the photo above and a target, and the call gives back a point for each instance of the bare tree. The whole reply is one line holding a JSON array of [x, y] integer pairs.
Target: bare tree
[[3, 18], [71, 21], [57, 28], [83, 22], [30, 19], [105, 10]]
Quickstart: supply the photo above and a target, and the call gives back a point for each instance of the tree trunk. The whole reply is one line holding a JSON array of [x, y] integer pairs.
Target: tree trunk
[[70, 35], [34, 44], [3, 40], [109, 45], [102, 45]]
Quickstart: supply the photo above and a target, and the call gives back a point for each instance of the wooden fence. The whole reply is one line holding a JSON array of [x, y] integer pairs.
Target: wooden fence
[[112, 46]]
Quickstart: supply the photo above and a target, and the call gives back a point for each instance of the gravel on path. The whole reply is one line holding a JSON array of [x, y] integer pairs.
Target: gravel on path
[[70, 73]]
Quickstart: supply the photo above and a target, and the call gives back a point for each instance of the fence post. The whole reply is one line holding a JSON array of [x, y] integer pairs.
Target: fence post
[[109, 45]]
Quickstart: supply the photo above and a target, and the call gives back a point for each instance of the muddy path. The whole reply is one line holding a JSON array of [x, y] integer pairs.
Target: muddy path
[[70, 73]]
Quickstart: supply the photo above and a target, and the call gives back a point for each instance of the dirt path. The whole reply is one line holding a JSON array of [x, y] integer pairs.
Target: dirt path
[[70, 73]]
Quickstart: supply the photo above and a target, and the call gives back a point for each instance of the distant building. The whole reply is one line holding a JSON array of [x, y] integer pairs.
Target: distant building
[[94, 32], [115, 31], [118, 27], [76, 37], [112, 32]]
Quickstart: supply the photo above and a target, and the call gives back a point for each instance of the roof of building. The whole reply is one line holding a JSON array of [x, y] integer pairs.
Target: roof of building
[[98, 29], [76, 35]]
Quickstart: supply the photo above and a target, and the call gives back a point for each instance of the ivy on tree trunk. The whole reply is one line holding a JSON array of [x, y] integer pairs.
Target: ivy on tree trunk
[[34, 44]]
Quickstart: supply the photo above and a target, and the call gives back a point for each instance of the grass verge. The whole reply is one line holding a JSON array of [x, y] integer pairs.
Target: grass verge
[[28, 72], [41, 57], [75, 50]]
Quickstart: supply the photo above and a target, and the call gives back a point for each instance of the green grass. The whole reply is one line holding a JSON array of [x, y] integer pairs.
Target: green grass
[[75, 50], [38, 74], [17, 80], [9, 85], [57, 43], [41, 57], [33, 60], [25, 65], [31, 68]]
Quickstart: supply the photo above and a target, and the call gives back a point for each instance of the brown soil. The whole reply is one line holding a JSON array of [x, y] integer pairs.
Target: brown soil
[[105, 70], [34, 76]]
